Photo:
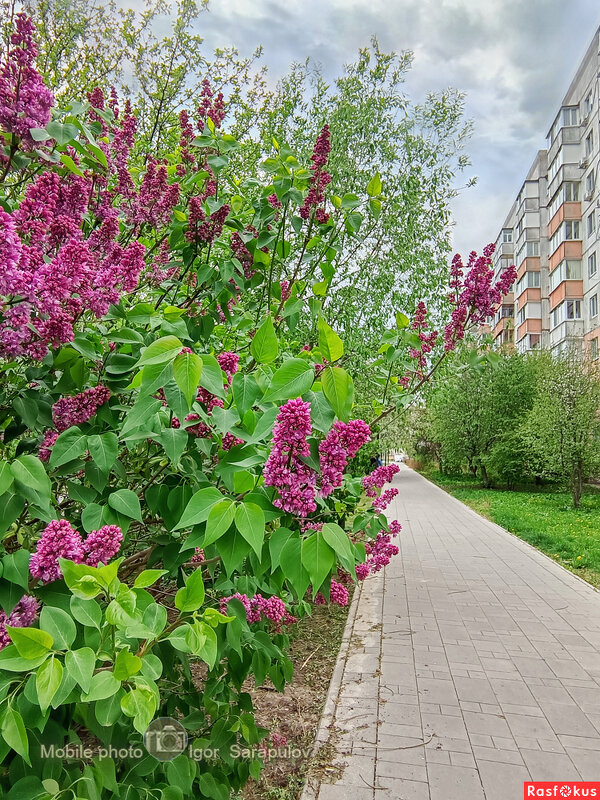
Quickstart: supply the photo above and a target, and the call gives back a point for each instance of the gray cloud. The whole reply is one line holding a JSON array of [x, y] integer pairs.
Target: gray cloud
[[513, 60]]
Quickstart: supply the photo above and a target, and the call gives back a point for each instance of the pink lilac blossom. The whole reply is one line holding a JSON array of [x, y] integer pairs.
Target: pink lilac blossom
[[342, 442], [320, 367], [156, 197], [160, 268], [53, 275], [198, 557], [45, 450], [229, 441], [204, 229], [229, 364], [22, 616], [306, 525], [294, 481], [473, 293], [338, 595], [25, 102], [79, 408], [243, 255], [378, 478], [382, 502], [427, 342], [257, 607], [210, 106], [58, 540], [319, 179], [102, 545], [379, 552]]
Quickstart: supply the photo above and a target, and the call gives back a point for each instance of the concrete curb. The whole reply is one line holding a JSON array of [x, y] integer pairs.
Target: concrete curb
[[311, 788]]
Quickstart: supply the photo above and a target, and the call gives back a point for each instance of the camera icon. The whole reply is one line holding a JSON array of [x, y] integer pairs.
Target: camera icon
[[165, 738]]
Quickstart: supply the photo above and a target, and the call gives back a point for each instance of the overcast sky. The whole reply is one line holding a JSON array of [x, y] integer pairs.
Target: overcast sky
[[514, 59]]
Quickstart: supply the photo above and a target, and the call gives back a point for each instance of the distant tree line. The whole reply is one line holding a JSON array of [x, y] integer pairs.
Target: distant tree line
[[514, 419]]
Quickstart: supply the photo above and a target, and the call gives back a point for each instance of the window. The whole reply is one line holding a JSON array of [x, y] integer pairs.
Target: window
[[567, 231], [592, 267], [567, 310], [591, 223], [527, 250], [568, 193], [521, 317], [587, 105], [570, 116], [589, 143], [594, 305], [571, 190], [590, 182], [507, 235], [531, 280], [594, 348], [566, 271]]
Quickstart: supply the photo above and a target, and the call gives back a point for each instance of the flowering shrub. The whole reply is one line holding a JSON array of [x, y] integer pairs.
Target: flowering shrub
[[173, 489]]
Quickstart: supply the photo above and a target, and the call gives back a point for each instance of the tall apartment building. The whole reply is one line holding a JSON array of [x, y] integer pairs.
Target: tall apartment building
[[552, 231]]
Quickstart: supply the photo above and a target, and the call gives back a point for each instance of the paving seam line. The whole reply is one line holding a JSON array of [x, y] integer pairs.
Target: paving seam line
[[312, 788]]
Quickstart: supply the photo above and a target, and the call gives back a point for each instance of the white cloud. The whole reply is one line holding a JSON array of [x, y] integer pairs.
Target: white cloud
[[514, 60]]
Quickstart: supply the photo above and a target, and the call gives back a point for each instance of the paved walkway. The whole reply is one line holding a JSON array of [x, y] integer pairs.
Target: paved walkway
[[473, 666]]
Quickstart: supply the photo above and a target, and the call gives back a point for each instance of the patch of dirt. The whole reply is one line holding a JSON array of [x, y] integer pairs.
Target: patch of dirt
[[296, 713]]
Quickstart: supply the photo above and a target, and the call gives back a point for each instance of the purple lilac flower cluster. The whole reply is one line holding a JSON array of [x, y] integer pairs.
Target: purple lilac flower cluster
[[382, 502], [380, 551], [25, 102], [79, 408], [474, 294], [284, 469], [256, 607], [156, 198], [319, 179], [203, 229], [50, 273], [102, 545], [342, 442], [338, 594], [229, 364], [198, 557], [211, 105], [21, 616], [48, 441], [378, 478], [60, 540]]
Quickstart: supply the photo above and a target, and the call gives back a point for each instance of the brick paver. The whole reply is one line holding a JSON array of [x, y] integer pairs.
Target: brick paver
[[474, 665]]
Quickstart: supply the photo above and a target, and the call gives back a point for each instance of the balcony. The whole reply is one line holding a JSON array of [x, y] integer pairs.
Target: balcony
[[529, 264], [570, 249], [570, 329], [533, 325], [566, 289], [568, 172], [505, 249], [529, 295], [568, 210], [503, 324], [570, 135]]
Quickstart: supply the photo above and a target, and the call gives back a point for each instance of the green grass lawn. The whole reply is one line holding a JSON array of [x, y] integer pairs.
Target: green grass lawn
[[546, 519]]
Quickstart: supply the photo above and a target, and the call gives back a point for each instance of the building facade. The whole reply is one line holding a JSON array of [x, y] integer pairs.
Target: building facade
[[552, 231]]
